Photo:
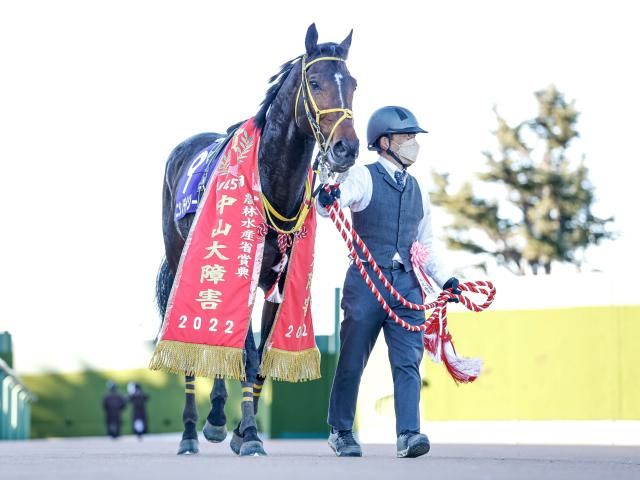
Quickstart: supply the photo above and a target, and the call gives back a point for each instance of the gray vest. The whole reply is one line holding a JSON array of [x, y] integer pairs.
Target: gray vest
[[389, 224]]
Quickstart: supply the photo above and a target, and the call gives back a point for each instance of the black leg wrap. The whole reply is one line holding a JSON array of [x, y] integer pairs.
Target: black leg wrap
[[190, 432], [250, 434], [216, 415]]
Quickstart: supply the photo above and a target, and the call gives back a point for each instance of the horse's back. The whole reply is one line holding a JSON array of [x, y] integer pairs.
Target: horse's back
[[183, 153], [179, 160]]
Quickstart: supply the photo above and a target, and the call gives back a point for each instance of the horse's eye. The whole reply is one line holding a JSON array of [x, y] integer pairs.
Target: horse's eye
[[314, 85]]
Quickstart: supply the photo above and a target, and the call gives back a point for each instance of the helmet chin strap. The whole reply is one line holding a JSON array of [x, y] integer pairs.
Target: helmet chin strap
[[392, 154]]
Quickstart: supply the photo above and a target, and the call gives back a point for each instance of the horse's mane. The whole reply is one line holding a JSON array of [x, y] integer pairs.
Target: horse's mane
[[276, 82]]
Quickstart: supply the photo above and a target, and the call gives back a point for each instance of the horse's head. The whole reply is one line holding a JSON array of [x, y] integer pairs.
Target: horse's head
[[325, 96]]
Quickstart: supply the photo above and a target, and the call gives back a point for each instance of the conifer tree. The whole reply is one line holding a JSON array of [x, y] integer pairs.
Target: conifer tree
[[539, 210]]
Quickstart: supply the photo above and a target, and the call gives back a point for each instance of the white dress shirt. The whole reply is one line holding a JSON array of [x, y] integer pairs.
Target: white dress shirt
[[356, 192]]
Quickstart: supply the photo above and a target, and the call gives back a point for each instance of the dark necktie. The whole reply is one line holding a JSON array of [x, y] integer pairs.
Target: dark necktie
[[400, 176]]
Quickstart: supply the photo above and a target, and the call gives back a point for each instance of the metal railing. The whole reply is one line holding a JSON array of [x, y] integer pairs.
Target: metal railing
[[15, 405]]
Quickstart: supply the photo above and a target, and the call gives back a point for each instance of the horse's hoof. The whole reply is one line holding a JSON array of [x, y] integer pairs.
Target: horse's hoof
[[252, 448], [214, 433], [188, 446], [236, 442]]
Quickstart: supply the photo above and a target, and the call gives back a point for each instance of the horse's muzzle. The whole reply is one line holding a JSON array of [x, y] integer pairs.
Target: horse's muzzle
[[343, 155]]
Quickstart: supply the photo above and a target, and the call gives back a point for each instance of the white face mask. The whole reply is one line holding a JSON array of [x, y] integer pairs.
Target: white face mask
[[408, 151]]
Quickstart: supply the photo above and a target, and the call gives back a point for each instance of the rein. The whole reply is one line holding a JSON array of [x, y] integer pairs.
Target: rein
[[323, 145], [344, 226], [436, 337]]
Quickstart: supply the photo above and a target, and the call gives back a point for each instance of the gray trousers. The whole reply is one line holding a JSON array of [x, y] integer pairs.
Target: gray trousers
[[363, 320]]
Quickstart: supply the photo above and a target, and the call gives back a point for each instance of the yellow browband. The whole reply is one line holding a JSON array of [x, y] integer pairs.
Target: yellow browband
[[324, 144]]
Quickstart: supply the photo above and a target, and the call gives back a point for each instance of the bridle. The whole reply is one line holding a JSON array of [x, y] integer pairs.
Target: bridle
[[314, 117], [321, 165]]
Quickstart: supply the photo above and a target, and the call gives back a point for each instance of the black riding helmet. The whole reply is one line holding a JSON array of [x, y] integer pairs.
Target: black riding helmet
[[389, 120]]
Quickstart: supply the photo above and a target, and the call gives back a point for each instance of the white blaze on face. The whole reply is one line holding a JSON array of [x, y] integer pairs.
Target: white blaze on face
[[338, 77]]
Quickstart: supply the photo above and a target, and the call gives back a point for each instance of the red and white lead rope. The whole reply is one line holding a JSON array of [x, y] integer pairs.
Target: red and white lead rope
[[437, 339]]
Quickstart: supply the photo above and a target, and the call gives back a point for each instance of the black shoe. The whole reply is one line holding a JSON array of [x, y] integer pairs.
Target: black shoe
[[412, 444], [344, 445]]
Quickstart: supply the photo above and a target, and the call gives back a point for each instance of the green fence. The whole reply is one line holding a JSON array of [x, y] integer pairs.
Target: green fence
[[70, 404], [299, 410], [15, 407]]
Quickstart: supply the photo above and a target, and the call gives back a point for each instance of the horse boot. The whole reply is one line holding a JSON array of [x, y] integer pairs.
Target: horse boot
[[215, 427], [189, 443], [236, 437], [251, 443], [236, 440], [245, 441]]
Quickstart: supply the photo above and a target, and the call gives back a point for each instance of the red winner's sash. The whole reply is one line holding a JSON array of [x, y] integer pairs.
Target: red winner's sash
[[290, 353], [209, 309]]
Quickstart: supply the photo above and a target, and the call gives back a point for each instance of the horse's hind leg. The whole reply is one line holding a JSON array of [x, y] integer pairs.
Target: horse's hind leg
[[189, 442], [215, 428], [245, 440]]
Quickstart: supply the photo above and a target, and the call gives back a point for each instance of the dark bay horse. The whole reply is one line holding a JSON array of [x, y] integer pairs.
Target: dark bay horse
[[309, 101]]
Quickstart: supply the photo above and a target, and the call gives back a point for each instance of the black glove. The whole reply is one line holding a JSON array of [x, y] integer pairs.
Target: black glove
[[326, 199], [452, 284]]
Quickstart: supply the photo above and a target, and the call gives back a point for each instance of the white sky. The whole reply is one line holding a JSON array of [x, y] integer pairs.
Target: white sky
[[94, 95]]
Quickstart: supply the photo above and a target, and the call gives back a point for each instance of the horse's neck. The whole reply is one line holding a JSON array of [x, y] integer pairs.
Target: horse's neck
[[285, 154]]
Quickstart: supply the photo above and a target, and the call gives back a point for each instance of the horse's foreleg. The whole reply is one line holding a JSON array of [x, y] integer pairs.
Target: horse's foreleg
[[215, 428], [189, 442], [257, 391], [245, 440]]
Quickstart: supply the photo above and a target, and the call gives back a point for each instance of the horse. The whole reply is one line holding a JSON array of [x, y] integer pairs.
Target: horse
[[308, 101]]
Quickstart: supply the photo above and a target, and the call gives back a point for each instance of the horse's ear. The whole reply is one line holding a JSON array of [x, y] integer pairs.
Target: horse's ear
[[346, 43], [311, 41]]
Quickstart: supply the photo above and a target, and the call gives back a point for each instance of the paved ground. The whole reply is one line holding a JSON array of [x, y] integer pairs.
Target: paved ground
[[154, 458]]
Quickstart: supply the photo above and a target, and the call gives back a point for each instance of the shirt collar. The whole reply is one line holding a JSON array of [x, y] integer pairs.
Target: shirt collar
[[389, 166]]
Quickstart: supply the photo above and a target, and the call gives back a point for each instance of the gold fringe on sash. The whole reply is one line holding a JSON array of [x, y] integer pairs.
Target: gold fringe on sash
[[291, 366], [198, 360]]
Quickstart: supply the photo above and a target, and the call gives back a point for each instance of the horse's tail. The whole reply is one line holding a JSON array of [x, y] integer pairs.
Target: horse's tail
[[164, 282]]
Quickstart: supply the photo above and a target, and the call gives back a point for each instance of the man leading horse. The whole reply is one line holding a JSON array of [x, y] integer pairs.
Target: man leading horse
[[391, 211]]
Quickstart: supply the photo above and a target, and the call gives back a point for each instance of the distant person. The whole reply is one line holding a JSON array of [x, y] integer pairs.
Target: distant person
[[113, 403], [138, 400]]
